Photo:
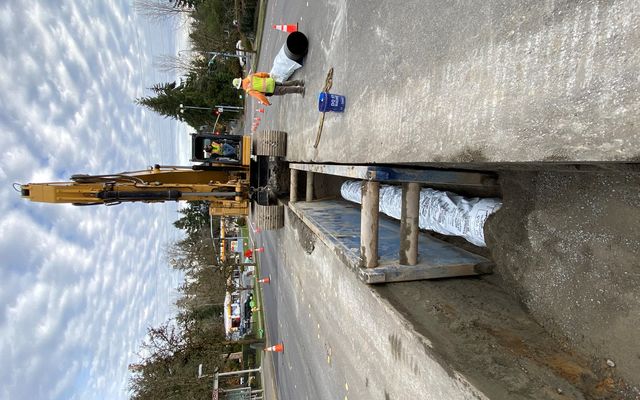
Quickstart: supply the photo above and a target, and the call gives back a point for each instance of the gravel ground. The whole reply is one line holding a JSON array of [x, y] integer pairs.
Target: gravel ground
[[567, 246]]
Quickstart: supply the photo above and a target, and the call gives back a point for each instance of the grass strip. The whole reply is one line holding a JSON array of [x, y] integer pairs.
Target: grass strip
[[258, 327], [262, 15]]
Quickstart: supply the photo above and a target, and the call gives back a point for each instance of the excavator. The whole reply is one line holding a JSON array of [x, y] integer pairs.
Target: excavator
[[232, 182]]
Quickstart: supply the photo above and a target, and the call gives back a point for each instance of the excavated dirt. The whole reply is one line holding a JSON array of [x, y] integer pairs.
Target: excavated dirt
[[481, 332], [567, 246]]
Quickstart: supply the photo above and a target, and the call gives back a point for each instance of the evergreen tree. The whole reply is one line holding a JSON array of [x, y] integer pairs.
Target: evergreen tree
[[172, 356], [195, 216], [199, 90]]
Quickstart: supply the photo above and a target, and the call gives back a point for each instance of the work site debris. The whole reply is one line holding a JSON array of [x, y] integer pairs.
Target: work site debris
[[442, 212]]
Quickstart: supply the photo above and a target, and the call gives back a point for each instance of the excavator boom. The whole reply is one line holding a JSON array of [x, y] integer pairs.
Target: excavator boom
[[223, 178], [226, 189]]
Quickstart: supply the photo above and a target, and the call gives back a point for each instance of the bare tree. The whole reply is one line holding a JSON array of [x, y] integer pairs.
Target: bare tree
[[203, 41], [168, 63], [159, 10], [164, 342]]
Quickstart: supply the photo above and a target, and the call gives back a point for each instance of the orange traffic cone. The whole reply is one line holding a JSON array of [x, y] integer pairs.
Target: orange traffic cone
[[260, 110], [286, 27], [266, 279], [278, 348]]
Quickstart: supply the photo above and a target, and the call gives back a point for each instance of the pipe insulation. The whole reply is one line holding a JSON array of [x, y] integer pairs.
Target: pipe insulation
[[443, 212]]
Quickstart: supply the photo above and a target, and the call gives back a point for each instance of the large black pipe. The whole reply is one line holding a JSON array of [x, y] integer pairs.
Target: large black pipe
[[296, 46]]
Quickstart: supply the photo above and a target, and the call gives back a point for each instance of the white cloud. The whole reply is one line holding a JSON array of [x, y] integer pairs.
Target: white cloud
[[80, 284]]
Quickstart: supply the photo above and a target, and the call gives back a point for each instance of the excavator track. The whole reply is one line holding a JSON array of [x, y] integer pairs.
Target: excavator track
[[268, 217], [271, 143]]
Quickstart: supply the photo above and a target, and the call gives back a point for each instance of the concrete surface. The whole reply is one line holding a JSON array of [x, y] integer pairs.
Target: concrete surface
[[269, 384], [465, 81], [486, 83]]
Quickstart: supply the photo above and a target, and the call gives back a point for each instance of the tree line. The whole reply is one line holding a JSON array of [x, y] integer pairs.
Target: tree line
[[214, 26], [171, 353]]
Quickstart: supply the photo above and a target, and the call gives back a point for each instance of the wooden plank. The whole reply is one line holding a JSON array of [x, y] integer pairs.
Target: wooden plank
[[309, 192], [409, 223], [370, 215], [293, 186], [422, 271], [385, 174]]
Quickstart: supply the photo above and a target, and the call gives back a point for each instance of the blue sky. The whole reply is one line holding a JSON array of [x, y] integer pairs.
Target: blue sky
[[80, 285]]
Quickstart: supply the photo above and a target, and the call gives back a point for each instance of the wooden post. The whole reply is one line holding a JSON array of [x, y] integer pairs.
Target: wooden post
[[369, 224], [293, 186], [409, 223], [309, 194]]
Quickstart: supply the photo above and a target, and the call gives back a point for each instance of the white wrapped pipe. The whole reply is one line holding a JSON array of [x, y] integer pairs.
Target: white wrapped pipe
[[442, 212], [283, 67]]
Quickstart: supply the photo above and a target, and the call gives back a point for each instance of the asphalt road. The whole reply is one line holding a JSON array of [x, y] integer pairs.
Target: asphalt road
[[290, 370], [290, 383]]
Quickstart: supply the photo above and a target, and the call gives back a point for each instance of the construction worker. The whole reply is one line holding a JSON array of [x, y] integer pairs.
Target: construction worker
[[261, 84], [223, 149]]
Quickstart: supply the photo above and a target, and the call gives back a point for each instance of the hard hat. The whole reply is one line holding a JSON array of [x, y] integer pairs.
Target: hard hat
[[237, 82]]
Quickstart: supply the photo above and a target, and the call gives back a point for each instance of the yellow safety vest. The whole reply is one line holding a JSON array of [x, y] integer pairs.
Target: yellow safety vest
[[216, 148], [264, 85]]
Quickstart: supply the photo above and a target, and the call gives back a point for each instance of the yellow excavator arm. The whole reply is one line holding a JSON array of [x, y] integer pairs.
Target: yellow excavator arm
[[225, 188]]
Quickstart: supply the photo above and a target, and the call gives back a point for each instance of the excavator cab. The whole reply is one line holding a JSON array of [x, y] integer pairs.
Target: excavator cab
[[210, 149]]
